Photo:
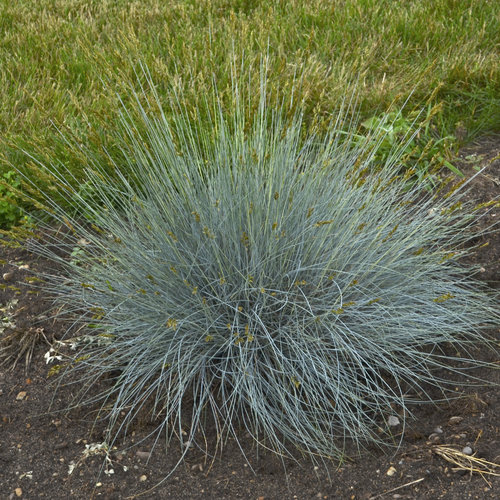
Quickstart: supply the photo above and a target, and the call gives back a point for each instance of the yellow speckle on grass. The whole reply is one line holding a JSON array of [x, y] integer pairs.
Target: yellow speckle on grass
[[453, 208], [171, 323], [447, 256], [54, 370], [244, 239], [323, 223], [209, 234], [491, 203], [391, 232], [443, 298]]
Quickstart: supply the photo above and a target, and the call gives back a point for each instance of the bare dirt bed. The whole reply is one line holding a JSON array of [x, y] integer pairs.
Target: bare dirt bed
[[39, 449]]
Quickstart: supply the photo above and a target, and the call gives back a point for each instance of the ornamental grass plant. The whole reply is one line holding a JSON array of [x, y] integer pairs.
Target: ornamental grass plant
[[287, 285]]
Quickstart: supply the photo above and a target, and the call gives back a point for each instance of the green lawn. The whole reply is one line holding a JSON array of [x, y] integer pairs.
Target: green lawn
[[62, 61]]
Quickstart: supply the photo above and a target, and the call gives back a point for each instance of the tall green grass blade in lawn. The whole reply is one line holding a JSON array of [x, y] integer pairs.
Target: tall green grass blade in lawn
[[296, 288]]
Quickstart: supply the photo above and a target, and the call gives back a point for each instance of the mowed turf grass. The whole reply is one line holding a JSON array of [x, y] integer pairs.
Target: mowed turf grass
[[63, 62]]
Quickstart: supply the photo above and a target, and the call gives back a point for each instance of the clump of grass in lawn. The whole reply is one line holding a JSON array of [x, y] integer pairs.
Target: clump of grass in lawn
[[294, 287]]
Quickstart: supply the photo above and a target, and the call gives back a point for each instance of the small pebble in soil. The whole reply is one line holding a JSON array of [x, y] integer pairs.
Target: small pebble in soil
[[391, 471], [392, 421], [18, 492], [438, 430], [434, 438], [467, 450], [455, 420], [143, 478], [21, 396], [8, 276]]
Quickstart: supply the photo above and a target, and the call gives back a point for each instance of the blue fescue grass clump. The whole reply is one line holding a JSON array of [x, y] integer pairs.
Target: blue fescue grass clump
[[290, 286]]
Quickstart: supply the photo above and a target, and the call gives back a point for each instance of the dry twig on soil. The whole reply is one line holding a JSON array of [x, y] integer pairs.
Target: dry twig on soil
[[465, 462]]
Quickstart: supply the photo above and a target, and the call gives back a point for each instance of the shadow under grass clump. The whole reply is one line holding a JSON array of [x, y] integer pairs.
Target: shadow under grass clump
[[295, 288]]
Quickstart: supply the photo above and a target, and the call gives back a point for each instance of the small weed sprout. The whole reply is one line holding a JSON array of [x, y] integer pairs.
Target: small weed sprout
[[10, 212], [295, 288], [92, 450]]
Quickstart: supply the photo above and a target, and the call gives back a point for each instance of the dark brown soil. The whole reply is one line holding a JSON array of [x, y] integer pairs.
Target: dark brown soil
[[38, 449]]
